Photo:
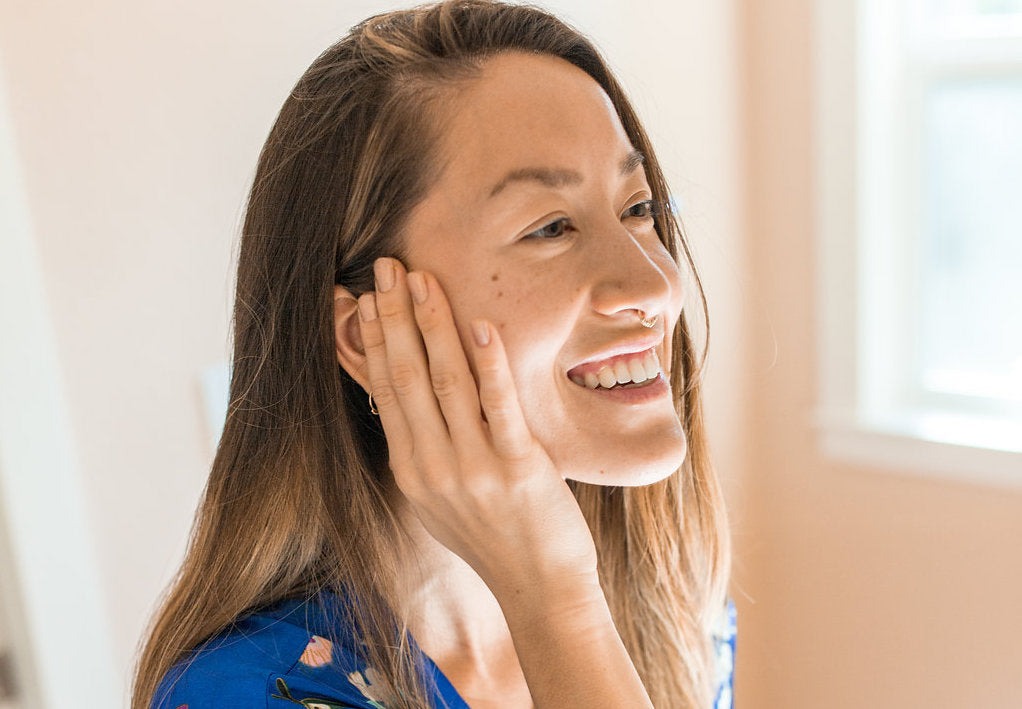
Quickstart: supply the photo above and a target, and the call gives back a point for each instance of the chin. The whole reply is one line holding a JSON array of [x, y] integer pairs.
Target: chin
[[635, 473]]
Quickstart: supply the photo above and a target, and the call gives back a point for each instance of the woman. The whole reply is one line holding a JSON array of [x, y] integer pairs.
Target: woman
[[464, 462]]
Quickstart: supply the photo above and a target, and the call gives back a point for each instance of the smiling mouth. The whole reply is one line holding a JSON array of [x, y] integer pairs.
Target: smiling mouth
[[629, 371]]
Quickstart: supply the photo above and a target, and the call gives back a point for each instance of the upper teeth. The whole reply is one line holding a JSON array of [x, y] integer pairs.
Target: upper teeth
[[638, 369]]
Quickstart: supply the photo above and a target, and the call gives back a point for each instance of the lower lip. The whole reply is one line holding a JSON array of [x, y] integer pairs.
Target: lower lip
[[655, 389]]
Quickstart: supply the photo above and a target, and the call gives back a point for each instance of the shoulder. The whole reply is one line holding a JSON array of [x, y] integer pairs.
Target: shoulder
[[292, 654]]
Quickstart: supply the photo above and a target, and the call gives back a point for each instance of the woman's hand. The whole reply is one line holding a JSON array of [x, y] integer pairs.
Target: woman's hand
[[462, 454], [482, 485]]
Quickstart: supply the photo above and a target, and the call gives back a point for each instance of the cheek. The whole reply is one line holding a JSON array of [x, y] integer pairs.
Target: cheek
[[534, 320], [520, 306], [534, 316]]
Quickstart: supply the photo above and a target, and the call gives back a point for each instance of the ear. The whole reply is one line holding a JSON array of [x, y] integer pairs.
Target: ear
[[348, 337]]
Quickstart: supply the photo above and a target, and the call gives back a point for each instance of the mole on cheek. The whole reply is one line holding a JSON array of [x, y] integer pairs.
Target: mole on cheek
[[500, 293], [495, 277]]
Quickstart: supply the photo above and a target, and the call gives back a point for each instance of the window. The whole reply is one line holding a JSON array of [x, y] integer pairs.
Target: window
[[920, 166]]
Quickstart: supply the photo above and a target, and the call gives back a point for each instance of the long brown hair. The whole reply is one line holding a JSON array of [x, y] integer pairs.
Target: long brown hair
[[296, 501]]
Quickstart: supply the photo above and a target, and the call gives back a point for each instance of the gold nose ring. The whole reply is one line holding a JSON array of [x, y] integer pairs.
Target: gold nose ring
[[647, 321]]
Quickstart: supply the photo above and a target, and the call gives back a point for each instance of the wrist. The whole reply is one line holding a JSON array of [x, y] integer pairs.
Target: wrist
[[575, 602]]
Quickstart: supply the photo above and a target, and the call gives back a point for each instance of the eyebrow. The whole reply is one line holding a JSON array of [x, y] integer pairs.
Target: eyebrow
[[559, 177]]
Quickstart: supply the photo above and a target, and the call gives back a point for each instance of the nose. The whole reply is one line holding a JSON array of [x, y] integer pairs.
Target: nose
[[633, 272]]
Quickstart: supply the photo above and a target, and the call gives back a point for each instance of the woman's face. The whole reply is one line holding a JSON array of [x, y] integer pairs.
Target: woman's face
[[538, 222]]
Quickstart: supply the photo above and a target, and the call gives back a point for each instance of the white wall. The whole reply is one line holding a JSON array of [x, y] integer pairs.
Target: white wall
[[138, 125]]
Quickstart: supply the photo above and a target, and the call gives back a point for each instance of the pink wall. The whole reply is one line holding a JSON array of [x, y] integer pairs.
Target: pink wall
[[856, 588]]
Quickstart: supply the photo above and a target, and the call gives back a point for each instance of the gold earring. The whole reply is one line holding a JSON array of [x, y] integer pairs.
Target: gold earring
[[372, 406]]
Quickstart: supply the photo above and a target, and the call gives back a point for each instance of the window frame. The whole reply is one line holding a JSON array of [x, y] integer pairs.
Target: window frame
[[865, 413]]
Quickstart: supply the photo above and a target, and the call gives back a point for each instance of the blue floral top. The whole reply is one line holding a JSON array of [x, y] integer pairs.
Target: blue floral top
[[281, 657]]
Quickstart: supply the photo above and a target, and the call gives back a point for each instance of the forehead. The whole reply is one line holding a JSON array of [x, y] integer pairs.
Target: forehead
[[528, 111]]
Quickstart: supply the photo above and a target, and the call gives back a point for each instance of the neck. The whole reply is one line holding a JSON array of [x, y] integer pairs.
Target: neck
[[456, 620], [451, 612]]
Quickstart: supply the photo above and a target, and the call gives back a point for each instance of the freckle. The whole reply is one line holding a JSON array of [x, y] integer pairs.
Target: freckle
[[500, 293], [501, 325], [495, 277]]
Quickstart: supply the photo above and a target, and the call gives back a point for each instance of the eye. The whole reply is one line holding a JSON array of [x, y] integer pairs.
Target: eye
[[645, 209], [553, 230]]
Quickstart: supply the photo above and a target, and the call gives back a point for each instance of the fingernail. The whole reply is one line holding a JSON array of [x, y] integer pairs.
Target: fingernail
[[367, 307], [384, 270], [481, 332], [417, 285]]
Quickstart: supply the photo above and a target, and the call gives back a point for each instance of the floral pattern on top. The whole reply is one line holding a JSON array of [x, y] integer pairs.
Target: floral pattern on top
[[308, 702], [373, 687], [724, 636], [318, 653]]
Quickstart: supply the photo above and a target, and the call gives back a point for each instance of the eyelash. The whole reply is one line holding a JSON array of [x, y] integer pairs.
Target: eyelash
[[563, 224]]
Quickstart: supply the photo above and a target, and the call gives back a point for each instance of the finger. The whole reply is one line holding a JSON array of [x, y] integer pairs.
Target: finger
[[398, 434], [497, 394], [407, 365], [453, 385]]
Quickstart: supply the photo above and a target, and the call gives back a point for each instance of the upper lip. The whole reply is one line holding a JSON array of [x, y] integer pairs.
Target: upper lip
[[632, 344]]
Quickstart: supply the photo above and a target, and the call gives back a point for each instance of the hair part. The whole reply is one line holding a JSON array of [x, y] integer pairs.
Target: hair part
[[297, 498]]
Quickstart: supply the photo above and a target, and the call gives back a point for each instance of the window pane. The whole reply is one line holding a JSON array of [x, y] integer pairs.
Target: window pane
[[970, 319], [941, 9], [972, 18]]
